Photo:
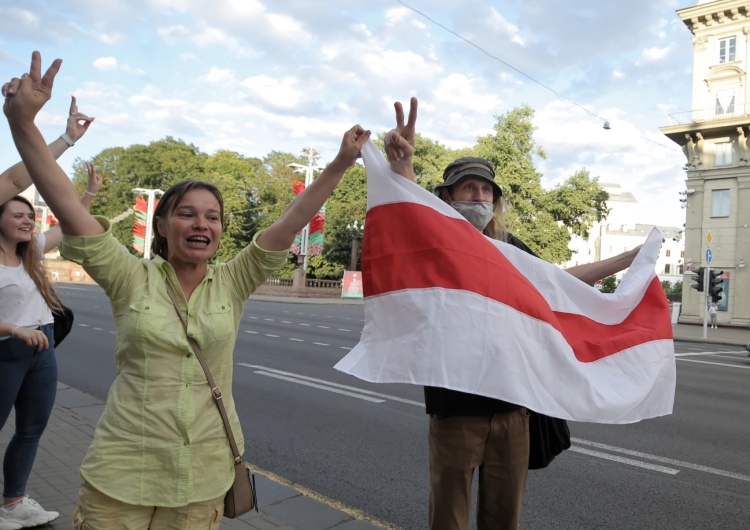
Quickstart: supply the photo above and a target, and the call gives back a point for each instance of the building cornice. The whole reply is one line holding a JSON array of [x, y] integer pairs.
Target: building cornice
[[704, 17]]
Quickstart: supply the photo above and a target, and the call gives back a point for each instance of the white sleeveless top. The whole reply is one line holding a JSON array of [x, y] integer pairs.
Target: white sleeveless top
[[21, 303]]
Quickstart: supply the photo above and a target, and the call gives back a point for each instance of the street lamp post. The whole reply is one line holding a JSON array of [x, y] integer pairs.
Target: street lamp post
[[355, 231], [309, 171]]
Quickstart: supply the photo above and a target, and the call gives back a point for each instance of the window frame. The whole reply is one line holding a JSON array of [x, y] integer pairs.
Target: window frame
[[723, 154], [723, 196], [727, 50]]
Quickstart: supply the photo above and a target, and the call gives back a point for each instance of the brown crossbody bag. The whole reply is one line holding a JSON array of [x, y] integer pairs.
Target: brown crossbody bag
[[241, 496]]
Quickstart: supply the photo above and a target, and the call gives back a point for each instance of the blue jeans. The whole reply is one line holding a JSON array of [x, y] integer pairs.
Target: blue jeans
[[28, 383]]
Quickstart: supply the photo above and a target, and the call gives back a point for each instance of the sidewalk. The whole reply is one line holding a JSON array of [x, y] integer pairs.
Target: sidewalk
[[54, 481], [721, 335]]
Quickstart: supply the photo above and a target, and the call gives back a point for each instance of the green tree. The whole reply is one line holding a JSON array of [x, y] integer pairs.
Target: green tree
[[543, 220], [578, 202], [347, 203], [609, 284]]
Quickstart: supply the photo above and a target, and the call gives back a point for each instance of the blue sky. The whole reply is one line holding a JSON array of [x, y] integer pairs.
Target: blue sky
[[254, 76]]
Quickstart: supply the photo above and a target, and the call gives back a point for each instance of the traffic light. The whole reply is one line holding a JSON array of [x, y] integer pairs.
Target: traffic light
[[698, 279], [714, 286]]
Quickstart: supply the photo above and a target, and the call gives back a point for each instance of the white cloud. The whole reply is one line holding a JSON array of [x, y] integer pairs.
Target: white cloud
[[655, 53], [255, 76], [283, 93], [105, 64], [219, 76], [112, 38]]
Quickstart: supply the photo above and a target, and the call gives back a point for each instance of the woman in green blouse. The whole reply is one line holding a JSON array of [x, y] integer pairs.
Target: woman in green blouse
[[160, 456]]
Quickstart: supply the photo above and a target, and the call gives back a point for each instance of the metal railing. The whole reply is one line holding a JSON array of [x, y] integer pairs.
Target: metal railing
[[310, 282], [695, 116]]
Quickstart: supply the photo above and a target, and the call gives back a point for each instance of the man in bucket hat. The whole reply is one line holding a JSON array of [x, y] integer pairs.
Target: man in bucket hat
[[469, 431]]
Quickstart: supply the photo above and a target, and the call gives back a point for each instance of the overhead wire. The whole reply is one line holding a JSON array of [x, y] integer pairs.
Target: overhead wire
[[518, 70]]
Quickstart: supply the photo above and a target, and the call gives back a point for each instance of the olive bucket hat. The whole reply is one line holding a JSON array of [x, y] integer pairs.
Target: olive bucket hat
[[470, 166]]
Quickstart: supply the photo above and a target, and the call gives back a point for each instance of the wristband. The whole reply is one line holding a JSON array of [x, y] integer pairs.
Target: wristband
[[87, 192], [67, 139]]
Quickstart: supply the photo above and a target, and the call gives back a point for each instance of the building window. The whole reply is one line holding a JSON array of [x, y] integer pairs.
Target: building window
[[720, 203], [682, 253], [667, 268], [669, 252], [727, 48], [723, 154], [724, 102]]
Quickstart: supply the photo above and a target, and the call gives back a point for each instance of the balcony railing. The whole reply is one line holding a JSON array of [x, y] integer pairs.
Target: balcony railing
[[696, 116]]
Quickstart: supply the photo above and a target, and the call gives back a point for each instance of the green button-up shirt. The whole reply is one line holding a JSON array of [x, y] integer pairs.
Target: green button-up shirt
[[160, 440]]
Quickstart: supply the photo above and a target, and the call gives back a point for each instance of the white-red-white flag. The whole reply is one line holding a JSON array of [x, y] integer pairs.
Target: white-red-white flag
[[447, 306]]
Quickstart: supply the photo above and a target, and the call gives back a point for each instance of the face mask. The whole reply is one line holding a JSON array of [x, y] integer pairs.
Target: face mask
[[478, 214]]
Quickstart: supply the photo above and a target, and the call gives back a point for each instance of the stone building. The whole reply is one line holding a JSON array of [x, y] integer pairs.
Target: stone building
[[714, 137], [626, 228]]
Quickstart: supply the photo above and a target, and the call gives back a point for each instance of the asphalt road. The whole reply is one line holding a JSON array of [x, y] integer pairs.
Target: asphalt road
[[364, 445]]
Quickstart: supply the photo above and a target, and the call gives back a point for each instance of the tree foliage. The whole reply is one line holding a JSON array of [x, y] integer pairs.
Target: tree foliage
[[609, 284], [256, 191]]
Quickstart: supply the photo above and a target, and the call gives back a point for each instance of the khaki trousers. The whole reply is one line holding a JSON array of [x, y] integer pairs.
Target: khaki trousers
[[499, 446], [97, 511]]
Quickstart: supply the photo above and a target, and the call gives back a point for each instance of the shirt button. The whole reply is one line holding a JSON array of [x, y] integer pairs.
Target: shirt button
[[146, 308], [186, 443], [222, 307], [189, 355]]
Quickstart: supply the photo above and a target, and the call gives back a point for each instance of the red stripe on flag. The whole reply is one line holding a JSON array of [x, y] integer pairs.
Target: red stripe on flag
[[411, 246]]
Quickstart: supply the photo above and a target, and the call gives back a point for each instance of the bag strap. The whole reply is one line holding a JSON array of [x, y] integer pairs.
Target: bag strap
[[215, 390]]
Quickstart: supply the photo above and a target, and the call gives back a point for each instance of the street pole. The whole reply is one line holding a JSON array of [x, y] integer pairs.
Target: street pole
[[355, 231], [706, 283], [151, 194], [353, 260], [309, 171]]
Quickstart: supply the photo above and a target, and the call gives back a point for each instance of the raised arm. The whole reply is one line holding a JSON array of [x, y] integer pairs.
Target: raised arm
[[24, 98], [15, 179], [400, 142], [53, 236], [597, 270], [280, 235]]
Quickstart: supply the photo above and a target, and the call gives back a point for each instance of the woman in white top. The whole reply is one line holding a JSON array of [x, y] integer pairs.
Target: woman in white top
[[28, 369]]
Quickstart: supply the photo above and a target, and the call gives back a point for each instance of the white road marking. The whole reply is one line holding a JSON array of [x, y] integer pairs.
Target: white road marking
[[297, 340], [705, 353], [344, 348], [303, 324], [343, 329], [321, 344], [253, 332], [623, 460], [735, 355], [715, 364], [274, 336], [269, 320], [663, 460], [84, 325], [98, 329], [324, 327], [322, 387], [328, 385], [285, 322]]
